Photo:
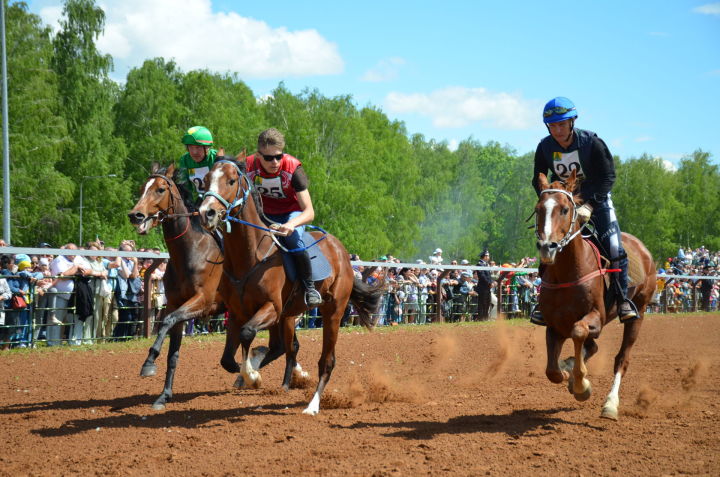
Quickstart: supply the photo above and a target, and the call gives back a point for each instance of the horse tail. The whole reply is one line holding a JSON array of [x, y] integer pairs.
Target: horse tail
[[366, 299]]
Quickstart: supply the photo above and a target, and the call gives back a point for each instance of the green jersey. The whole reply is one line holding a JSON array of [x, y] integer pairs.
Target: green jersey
[[192, 173]]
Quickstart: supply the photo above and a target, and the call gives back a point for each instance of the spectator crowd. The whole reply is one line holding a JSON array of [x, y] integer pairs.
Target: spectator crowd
[[77, 299]]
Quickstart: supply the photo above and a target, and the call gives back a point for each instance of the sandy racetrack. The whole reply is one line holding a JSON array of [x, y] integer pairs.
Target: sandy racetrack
[[420, 400]]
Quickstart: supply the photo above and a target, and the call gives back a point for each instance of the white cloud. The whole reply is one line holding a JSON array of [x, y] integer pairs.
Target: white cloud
[[669, 166], [453, 144], [708, 9], [136, 30], [385, 70], [643, 139], [456, 107]]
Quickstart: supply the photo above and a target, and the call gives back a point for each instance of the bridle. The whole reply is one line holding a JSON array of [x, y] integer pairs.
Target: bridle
[[569, 235], [240, 199], [164, 214]]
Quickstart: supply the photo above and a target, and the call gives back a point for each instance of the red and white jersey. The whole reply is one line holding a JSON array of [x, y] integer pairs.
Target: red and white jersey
[[279, 195]]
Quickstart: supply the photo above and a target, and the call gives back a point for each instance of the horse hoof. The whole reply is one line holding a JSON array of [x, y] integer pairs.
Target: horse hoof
[[239, 383], [585, 395], [149, 370], [609, 413], [158, 407]]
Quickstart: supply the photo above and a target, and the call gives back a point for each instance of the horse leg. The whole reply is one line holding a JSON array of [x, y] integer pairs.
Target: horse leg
[[192, 308], [554, 343], [292, 346], [232, 342], [250, 376], [579, 385], [622, 360], [331, 323], [172, 360]]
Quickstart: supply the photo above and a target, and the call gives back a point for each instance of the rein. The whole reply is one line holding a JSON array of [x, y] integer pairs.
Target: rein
[[241, 201], [599, 272]]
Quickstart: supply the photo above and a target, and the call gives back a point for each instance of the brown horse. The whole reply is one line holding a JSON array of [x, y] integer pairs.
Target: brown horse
[[572, 300], [255, 287], [193, 273]]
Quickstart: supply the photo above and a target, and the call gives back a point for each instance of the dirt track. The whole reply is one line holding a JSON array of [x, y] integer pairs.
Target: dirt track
[[454, 400]]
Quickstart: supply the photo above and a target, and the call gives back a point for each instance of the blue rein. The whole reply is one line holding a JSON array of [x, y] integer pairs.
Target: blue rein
[[240, 202]]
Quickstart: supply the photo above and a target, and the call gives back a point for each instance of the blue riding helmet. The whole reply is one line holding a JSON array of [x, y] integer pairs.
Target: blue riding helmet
[[559, 109]]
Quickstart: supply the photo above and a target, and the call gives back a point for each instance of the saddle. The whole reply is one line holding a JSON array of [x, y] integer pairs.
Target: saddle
[[321, 268]]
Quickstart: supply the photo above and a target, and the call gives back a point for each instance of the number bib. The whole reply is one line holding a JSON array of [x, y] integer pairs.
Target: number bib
[[565, 163], [196, 176], [270, 186]]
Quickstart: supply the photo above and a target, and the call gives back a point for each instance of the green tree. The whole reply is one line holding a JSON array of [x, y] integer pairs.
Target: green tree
[[88, 96], [699, 191], [37, 131]]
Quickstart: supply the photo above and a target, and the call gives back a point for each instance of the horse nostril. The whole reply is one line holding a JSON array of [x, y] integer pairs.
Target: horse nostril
[[537, 244], [136, 217], [553, 246], [210, 213]]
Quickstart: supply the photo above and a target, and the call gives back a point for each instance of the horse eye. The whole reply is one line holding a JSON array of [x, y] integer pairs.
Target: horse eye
[[161, 190], [232, 181], [564, 211]]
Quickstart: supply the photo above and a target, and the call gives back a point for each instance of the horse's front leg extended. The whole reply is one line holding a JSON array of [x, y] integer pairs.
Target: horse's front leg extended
[[580, 385], [263, 318], [193, 308]]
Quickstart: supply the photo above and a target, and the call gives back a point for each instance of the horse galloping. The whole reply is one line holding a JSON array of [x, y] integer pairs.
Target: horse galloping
[[572, 300], [255, 287], [193, 272]]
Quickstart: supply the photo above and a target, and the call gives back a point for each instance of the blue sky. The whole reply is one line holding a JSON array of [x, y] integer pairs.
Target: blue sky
[[645, 75]]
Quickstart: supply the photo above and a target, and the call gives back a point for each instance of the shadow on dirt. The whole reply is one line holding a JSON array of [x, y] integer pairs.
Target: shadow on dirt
[[185, 419], [515, 424]]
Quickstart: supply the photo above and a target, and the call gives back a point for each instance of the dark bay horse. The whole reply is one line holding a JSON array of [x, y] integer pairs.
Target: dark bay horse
[[193, 272], [255, 287], [572, 299]]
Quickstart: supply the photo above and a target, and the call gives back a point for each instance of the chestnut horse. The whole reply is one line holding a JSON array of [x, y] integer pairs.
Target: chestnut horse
[[254, 285], [192, 275], [572, 300]]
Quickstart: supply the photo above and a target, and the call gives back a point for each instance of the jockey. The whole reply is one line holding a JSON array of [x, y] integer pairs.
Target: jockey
[[197, 161], [567, 149], [283, 184]]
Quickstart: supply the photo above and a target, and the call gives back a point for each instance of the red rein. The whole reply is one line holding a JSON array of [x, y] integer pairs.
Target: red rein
[[599, 272]]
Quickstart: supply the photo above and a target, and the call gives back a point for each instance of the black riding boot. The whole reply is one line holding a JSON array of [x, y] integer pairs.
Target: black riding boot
[[304, 268], [626, 309], [536, 317]]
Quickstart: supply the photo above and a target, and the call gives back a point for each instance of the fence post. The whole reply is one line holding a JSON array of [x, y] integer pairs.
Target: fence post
[[147, 295]]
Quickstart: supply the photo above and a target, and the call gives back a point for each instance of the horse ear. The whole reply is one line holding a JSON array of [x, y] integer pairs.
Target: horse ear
[[241, 155], [170, 170], [570, 181], [543, 182], [220, 151], [154, 168]]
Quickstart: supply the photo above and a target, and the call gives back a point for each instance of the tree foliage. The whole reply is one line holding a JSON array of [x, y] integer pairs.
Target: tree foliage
[[378, 188]]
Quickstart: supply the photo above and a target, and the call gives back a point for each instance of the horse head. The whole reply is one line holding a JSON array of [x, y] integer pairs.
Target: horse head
[[555, 216], [227, 189], [158, 197]]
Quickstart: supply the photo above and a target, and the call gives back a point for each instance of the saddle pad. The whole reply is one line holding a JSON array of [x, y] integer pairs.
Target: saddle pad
[[320, 266], [636, 274]]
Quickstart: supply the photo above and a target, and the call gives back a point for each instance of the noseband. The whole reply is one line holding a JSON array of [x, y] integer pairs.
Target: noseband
[[569, 235]]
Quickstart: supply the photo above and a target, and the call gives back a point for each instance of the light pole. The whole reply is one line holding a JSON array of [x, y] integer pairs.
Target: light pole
[[79, 244]]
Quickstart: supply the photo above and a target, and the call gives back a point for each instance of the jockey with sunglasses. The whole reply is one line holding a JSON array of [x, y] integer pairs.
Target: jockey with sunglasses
[[197, 161], [566, 149], [283, 184]]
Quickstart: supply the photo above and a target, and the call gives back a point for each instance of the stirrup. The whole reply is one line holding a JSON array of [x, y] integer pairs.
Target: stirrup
[[313, 298], [627, 312], [536, 317]]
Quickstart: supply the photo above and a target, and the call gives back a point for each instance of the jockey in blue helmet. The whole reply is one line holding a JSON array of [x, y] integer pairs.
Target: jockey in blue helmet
[[565, 149]]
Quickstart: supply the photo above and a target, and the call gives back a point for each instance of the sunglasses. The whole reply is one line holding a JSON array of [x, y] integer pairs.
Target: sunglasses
[[556, 110], [272, 157]]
